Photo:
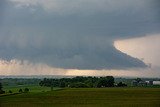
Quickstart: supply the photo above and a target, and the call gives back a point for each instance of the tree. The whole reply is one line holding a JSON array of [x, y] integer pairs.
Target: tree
[[1, 91], [79, 81], [20, 90], [120, 84], [138, 79], [78, 85], [1, 86], [107, 81], [62, 84], [10, 91], [26, 90]]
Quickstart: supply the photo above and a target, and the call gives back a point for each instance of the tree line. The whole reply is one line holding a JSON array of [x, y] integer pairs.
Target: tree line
[[79, 82]]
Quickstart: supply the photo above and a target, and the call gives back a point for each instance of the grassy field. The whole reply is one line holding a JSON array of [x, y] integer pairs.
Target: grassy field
[[92, 97], [32, 88]]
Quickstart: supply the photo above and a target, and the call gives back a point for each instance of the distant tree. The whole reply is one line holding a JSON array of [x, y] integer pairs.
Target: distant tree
[[1, 86], [110, 81], [26, 90], [1, 91], [20, 90], [78, 85], [101, 83], [120, 84], [10, 91], [41, 83], [138, 79], [106, 82], [62, 84], [78, 81], [89, 83]]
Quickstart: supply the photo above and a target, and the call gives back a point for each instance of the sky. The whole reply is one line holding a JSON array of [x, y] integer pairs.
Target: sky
[[80, 37]]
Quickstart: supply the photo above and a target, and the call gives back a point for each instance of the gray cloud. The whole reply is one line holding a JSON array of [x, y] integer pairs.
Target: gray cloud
[[77, 34]]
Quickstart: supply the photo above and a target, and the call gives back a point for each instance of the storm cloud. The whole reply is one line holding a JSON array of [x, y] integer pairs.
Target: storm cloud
[[75, 34]]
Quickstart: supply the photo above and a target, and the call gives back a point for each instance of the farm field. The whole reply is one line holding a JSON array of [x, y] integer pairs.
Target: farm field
[[85, 97]]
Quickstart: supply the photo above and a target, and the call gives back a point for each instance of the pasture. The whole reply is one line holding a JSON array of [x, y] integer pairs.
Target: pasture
[[85, 97]]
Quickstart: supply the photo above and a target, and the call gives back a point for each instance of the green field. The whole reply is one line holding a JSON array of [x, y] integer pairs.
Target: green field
[[87, 97], [32, 88]]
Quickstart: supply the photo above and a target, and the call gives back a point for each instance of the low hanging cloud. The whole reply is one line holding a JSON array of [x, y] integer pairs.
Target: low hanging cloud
[[75, 34], [24, 67]]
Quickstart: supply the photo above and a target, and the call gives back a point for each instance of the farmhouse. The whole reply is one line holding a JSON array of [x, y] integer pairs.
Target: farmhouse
[[142, 83], [156, 82]]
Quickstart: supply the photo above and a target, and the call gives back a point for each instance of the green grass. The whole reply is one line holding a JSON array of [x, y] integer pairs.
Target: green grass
[[87, 97], [32, 88]]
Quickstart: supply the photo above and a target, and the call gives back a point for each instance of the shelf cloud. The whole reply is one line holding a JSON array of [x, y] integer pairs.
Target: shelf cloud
[[75, 34]]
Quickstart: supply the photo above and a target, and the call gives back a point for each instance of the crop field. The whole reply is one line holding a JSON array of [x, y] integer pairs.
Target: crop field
[[86, 97]]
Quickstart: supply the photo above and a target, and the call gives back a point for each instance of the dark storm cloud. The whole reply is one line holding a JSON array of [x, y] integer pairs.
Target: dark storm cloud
[[77, 34]]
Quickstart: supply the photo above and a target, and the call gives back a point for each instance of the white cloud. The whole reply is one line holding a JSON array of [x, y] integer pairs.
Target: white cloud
[[148, 72], [146, 48]]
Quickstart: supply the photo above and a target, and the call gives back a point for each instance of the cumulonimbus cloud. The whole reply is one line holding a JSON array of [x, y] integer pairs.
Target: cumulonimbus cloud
[[72, 6], [74, 34]]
